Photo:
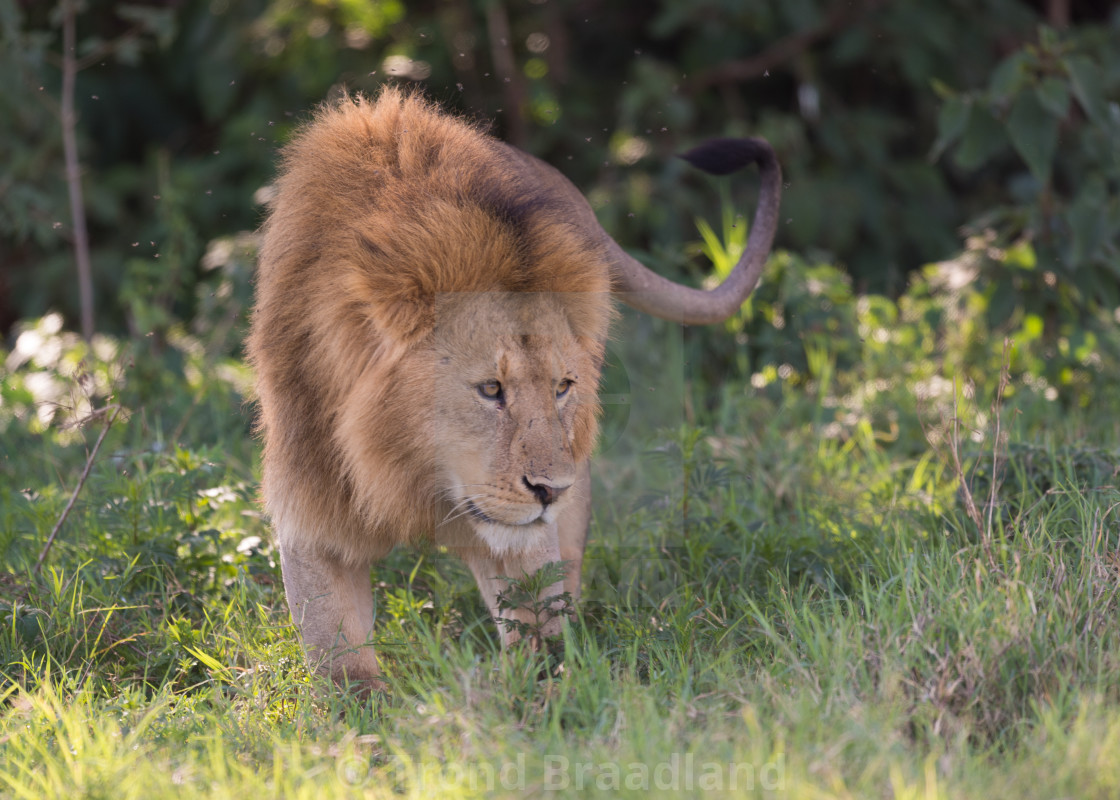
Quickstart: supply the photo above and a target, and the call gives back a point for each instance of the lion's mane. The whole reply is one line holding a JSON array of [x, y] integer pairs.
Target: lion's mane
[[381, 208]]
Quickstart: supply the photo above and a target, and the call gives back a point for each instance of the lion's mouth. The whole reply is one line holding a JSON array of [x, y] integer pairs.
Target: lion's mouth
[[480, 515]]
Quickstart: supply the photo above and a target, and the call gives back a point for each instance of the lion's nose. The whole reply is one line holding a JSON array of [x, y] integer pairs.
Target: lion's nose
[[546, 491]]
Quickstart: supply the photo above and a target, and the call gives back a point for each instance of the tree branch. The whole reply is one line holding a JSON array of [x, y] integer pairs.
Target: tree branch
[[781, 51], [116, 409]]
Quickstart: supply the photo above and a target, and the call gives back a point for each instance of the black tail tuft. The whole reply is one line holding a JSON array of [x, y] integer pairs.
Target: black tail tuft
[[724, 156]]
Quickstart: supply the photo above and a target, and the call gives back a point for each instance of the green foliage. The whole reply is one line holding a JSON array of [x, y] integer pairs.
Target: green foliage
[[181, 115], [804, 327], [32, 192], [1051, 253]]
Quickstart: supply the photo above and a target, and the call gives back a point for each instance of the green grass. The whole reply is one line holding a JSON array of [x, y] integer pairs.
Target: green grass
[[785, 589]]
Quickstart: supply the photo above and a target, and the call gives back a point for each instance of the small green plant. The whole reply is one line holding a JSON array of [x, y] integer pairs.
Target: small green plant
[[527, 595]]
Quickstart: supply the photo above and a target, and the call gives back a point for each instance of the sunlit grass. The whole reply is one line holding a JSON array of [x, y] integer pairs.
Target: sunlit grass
[[784, 596]]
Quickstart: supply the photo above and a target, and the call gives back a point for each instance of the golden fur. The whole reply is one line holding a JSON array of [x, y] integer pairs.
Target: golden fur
[[390, 220]]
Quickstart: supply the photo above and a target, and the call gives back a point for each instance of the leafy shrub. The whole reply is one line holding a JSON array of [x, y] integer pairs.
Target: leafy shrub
[[1047, 262]]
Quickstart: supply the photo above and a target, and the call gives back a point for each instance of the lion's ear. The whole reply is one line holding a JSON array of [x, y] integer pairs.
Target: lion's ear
[[403, 316], [396, 301]]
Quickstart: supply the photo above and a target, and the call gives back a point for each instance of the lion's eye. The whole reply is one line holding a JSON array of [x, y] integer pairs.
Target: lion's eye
[[491, 390], [563, 387]]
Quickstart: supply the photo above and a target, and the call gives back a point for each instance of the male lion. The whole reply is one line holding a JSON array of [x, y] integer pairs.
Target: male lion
[[432, 307]]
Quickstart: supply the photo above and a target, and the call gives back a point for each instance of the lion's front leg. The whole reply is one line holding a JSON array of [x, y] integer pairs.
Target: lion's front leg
[[490, 570], [332, 605], [572, 524]]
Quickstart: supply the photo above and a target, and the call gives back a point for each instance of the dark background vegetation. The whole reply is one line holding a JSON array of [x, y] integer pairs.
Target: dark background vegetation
[[897, 123]]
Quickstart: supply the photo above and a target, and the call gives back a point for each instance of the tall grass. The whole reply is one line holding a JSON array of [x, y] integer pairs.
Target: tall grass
[[786, 594]]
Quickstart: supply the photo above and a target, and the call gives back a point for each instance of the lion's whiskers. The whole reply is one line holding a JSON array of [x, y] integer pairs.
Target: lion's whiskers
[[460, 509]]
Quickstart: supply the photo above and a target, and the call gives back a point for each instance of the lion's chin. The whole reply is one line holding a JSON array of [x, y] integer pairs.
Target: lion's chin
[[509, 539]]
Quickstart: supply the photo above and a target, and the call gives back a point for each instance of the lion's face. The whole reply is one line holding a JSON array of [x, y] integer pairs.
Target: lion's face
[[514, 401]]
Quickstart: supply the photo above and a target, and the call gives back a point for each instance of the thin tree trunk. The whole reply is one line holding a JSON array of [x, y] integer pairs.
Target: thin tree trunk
[[505, 67], [74, 167], [1057, 13]]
